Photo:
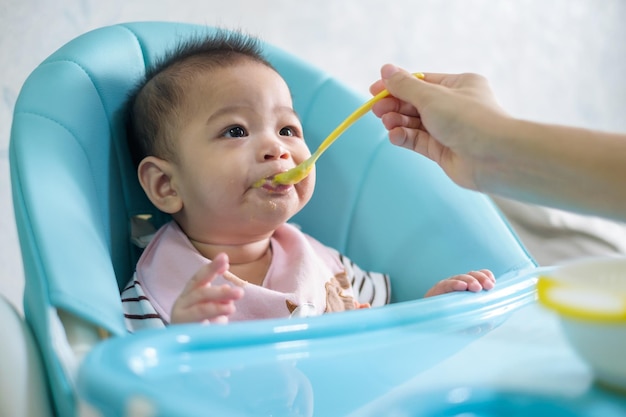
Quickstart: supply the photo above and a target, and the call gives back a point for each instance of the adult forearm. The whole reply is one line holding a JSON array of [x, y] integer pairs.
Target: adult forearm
[[558, 166]]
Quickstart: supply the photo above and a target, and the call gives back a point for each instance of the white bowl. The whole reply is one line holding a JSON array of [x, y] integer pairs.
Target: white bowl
[[590, 297]]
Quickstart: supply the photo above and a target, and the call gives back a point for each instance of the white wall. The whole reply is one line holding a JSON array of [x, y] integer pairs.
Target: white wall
[[550, 60]]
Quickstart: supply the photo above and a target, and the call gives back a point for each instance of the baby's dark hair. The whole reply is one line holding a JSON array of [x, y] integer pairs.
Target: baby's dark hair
[[158, 97]]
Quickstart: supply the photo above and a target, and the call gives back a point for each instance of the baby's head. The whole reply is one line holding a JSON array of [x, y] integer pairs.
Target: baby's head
[[210, 120]]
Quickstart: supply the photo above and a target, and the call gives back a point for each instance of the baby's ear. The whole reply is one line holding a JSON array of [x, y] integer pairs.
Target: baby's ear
[[156, 178]]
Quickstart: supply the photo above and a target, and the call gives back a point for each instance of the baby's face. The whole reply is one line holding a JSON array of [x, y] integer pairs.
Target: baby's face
[[238, 126]]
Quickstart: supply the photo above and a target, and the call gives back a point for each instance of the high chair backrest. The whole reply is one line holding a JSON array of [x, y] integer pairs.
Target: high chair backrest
[[75, 192]]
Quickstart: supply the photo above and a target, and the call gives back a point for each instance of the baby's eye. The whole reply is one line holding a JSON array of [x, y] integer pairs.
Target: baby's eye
[[287, 131], [235, 132]]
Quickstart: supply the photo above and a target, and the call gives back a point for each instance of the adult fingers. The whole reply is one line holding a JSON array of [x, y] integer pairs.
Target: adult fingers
[[393, 105], [404, 85], [393, 120], [377, 87]]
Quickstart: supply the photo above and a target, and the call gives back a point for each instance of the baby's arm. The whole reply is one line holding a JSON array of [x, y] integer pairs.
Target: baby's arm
[[472, 281], [200, 301]]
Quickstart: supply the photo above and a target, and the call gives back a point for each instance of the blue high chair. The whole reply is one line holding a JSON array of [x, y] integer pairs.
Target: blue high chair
[[76, 196]]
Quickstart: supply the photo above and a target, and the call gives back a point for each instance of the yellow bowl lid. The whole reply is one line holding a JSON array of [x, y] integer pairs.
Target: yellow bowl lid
[[582, 301]]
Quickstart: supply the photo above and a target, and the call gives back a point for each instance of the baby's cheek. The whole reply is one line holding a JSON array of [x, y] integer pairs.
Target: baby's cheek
[[305, 189]]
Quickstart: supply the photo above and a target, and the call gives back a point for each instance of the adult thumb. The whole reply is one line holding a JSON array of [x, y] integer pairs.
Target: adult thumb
[[402, 84]]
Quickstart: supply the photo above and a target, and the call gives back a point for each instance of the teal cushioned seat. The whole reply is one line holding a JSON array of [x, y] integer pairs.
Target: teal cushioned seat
[[75, 190]]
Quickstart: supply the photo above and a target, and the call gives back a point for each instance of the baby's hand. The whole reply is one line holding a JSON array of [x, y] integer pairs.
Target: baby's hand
[[200, 301], [472, 281]]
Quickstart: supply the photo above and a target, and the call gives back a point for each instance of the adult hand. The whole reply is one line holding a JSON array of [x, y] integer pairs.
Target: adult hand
[[455, 121], [443, 117]]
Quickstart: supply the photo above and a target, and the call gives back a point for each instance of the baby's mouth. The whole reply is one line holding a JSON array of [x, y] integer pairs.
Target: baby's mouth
[[275, 188], [269, 185]]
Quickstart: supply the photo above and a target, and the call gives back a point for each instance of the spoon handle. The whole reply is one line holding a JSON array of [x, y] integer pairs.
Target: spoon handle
[[358, 113]]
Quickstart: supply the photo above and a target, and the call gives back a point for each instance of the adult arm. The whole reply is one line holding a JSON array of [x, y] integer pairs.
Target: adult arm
[[455, 121]]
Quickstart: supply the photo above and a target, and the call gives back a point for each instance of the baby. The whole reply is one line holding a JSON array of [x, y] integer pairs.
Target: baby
[[207, 123]]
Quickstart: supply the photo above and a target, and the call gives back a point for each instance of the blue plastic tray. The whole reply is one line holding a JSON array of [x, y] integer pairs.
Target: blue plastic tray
[[496, 353]]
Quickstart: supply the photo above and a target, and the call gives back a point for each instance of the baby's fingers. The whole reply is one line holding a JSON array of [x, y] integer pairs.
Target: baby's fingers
[[222, 294], [447, 285], [473, 281], [206, 303], [207, 273], [477, 280], [216, 303], [485, 278], [199, 313]]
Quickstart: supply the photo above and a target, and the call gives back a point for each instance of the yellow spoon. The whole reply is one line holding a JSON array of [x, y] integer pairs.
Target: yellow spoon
[[300, 172]]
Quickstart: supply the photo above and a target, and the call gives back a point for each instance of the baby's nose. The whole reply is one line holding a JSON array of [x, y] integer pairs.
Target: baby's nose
[[276, 151]]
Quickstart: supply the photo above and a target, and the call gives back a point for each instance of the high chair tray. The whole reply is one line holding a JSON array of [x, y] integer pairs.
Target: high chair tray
[[489, 354]]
